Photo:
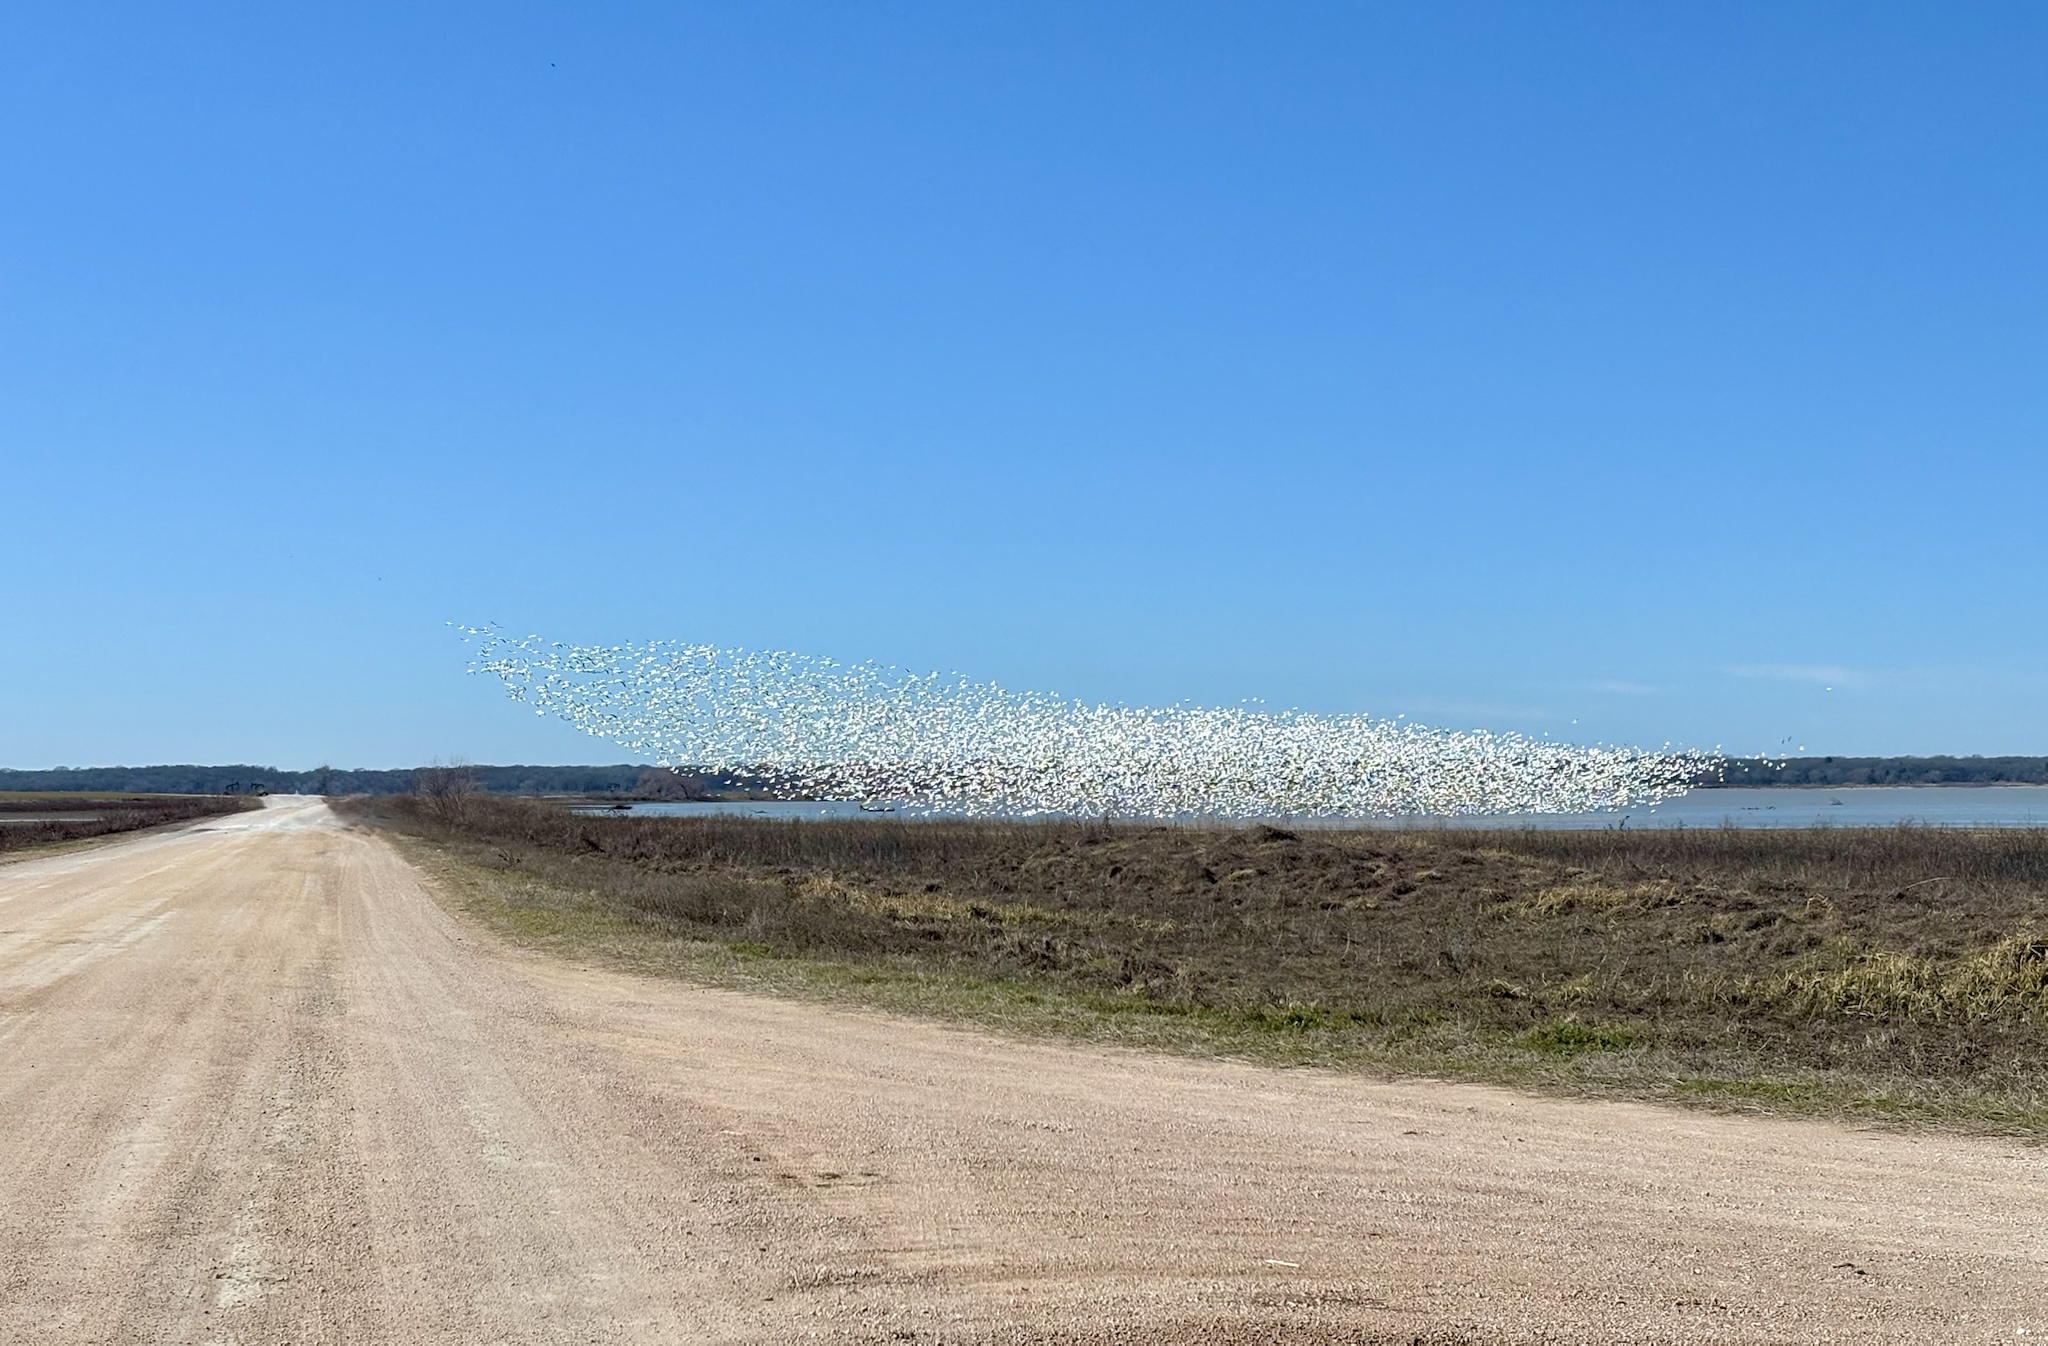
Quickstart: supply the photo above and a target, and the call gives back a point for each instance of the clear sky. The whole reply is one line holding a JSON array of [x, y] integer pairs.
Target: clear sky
[[1621, 372]]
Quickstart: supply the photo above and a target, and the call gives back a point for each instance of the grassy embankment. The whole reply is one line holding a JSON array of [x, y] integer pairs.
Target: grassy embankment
[[33, 821], [1896, 974]]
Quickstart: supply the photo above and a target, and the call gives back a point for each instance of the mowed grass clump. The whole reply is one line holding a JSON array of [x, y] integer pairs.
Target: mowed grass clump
[[31, 820], [1897, 973]]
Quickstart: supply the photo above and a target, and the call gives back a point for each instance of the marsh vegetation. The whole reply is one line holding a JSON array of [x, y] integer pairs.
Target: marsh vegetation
[[1896, 973], [28, 820]]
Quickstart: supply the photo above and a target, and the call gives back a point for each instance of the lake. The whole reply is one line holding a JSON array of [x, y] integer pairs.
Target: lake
[[1861, 806]]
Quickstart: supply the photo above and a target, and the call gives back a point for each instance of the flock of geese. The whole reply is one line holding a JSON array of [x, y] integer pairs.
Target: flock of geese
[[940, 743]]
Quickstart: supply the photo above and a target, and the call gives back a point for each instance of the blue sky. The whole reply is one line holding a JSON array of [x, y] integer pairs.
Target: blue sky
[[1618, 372]]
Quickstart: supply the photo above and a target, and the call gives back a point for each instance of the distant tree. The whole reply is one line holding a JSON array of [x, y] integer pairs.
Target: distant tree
[[448, 791], [667, 782], [445, 782]]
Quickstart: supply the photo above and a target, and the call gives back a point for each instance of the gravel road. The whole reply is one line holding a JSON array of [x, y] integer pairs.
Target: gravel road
[[257, 1086]]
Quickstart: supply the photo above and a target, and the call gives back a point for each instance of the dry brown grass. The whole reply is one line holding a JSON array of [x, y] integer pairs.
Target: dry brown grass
[[79, 817], [1894, 973]]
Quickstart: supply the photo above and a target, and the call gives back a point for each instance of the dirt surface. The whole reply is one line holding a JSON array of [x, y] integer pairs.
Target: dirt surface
[[257, 1086]]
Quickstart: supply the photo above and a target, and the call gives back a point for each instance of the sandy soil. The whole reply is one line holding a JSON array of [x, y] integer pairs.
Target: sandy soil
[[257, 1086]]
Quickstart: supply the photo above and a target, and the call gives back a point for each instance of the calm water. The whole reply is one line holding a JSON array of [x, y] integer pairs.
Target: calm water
[[1947, 806]]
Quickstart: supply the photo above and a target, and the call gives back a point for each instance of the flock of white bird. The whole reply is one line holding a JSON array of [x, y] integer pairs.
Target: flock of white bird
[[937, 743]]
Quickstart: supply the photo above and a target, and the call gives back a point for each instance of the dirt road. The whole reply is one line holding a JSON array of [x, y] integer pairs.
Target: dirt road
[[256, 1086]]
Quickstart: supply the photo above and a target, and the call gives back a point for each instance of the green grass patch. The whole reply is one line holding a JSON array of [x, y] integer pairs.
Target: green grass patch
[[1571, 1039]]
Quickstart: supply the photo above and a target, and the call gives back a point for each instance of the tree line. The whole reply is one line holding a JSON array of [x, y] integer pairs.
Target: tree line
[[627, 780], [1883, 771], [638, 780]]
